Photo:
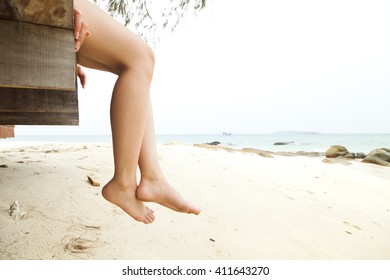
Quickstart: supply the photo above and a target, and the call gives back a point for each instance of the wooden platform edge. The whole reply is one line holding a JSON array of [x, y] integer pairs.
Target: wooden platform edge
[[38, 107], [7, 131]]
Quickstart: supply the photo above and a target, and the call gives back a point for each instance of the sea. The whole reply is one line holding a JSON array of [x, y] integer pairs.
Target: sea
[[276, 142]]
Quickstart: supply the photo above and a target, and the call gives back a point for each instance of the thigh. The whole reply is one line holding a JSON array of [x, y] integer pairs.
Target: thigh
[[90, 63], [110, 44]]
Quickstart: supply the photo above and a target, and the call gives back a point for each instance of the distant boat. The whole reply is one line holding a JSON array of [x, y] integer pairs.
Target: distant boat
[[226, 133]]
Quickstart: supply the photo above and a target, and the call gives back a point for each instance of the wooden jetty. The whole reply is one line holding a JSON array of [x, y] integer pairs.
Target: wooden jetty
[[37, 64]]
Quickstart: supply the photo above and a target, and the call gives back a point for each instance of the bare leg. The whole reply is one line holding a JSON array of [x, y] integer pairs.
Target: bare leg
[[115, 49], [153, 186], [112, 47]]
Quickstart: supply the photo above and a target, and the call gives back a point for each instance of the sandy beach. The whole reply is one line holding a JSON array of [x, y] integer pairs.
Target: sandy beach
[[253, 207]]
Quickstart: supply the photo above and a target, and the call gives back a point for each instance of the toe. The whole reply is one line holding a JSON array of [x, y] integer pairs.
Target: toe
[[195, 210], [149, 209], [150, 218]]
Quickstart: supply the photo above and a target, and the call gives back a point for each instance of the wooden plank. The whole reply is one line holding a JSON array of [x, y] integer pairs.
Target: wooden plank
[[57, 13], [40, 118], [36, 56], [38, 107], [7, 131]]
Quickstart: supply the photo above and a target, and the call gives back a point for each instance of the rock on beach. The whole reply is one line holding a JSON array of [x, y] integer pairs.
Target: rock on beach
[[378, 156], [336, 151]]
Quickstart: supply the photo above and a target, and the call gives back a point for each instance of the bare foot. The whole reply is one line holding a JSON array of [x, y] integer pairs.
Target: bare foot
[[161, 192], [126, 199]]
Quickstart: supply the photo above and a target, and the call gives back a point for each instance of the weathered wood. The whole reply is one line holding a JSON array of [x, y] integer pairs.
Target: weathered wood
[[35, 56], [38, 107], [7, 131], [57, 13], [37, 63]]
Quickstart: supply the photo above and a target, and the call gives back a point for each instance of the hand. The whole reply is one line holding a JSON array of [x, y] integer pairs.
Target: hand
[[81, 75], [80, 29]]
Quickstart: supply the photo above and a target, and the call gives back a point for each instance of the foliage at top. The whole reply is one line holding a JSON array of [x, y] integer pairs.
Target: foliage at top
[[149, 18]]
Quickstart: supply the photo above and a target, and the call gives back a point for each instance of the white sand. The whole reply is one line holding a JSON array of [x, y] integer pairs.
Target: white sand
[[252, 207]]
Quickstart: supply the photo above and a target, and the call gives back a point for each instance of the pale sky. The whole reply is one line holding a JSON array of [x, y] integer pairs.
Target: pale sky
[[256, 66]]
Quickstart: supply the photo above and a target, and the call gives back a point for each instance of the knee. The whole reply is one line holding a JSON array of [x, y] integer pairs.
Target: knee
[[148, 59], [140, 60]]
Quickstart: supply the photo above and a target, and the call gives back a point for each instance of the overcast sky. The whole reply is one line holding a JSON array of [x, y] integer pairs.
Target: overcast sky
[[256, 66]]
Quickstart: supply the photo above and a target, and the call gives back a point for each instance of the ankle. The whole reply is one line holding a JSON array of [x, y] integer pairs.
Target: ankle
[[153, 177], [123, 184]]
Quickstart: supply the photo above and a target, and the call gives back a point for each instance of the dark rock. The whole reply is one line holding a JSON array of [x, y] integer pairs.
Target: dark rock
[[284, 143], [214, 143], [360, 155], [350, 156], [378, 156], [336, 151]]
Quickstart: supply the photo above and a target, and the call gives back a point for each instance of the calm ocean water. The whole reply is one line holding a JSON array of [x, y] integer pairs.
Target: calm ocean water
[[317, 142]]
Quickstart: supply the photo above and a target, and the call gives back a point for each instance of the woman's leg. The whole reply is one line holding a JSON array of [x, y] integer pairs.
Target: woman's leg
[[132, 60], [153, 186], [111, 46]]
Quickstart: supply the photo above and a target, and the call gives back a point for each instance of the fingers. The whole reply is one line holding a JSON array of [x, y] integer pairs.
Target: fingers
[[82, 76], [77, 22], [80, 33], [83, 34], [80, 29]]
